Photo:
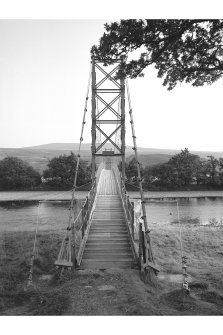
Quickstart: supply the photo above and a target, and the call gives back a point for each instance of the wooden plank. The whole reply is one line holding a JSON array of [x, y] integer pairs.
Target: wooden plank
[[108, 243], [94, 264], [151, 265], [63, 262]]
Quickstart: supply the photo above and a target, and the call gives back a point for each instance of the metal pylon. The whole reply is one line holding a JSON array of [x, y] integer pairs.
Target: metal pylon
[[108, 112]]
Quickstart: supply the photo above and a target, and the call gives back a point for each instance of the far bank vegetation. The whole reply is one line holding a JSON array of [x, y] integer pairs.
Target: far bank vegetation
[[183, 171]]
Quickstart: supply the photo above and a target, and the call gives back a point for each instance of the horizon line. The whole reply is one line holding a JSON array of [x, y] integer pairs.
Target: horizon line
[[127, 145]]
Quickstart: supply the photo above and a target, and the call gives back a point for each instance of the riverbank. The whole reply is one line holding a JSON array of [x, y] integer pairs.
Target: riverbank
[[114, 291], [66, 195]]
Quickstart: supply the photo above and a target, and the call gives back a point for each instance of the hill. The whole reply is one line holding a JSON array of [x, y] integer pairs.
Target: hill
[[151, 159], [39, 156], [86, 147]]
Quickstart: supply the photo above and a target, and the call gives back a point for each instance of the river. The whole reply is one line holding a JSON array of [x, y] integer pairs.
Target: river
[[22, 215]]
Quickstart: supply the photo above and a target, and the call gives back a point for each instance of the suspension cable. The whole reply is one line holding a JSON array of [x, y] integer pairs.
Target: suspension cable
[[145, 254], [117, 134], [179, 224], [98, 132], [68, 244], [185, 285], [30, 279], [137, 159], [78, 155]]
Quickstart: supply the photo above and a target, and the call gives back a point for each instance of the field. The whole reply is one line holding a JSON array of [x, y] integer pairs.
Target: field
[[39, 156], [114, 292]]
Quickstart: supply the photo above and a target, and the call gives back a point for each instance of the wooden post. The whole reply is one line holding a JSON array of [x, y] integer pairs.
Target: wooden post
[[140, 244], [87, 208], [82, 221], [132, 220], [73, 245]]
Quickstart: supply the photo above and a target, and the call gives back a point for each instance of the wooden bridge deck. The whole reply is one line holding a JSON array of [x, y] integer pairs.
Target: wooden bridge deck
[[108, 244]]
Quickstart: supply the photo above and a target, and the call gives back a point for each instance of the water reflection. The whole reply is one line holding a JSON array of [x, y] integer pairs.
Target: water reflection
[[201, 211], [19, 216]]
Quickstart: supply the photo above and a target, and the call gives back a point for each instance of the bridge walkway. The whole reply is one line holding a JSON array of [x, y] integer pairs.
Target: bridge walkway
[[108, 244]]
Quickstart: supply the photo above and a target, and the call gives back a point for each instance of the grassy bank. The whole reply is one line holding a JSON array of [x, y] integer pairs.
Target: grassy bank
[[114, 292]]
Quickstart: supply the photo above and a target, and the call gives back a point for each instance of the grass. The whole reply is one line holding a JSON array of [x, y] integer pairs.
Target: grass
[[83, 293]]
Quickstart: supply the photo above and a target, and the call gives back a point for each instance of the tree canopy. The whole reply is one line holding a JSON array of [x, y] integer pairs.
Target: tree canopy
[[184, 170], [188, 51], [15, 174], [61, 172]]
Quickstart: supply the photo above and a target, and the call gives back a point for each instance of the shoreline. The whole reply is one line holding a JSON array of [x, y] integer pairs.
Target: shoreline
[[66, 195]]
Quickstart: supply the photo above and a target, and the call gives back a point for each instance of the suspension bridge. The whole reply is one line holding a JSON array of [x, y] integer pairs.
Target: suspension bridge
[[103, 234]]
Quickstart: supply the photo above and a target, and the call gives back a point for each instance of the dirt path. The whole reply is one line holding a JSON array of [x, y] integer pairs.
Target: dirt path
[[111, 292], [116, 292], [121, 292]]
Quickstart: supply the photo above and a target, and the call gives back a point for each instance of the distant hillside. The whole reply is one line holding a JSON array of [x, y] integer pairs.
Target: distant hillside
[[60, 147], [151, 159], [39, 156]]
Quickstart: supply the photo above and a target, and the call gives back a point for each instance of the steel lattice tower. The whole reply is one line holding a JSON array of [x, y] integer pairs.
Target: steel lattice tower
[[108, 111]]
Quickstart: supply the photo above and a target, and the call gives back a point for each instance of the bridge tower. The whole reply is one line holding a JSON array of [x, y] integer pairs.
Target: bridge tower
[[108, 113]]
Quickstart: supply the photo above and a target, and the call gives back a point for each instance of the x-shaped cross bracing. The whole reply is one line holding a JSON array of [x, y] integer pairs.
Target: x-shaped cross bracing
[[108, 138], [107, 76], [108, 106]]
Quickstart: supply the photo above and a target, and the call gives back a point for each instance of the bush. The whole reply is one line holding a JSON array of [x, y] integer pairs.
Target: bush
[[15, 174]]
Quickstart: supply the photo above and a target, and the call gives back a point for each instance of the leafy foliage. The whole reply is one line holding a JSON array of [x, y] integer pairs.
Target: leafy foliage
[[183, 170], [61, 172], [15, 174], [184, 167], [213, 164], [181, 50]]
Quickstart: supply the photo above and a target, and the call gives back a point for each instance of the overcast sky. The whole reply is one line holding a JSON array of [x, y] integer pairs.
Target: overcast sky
[[44, 70]]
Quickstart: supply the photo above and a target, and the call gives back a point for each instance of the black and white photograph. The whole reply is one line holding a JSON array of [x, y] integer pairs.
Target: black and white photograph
[[111, 167]]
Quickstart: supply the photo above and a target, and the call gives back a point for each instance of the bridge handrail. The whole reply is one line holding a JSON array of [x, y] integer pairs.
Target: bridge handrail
[[87, 204], [128, 208], [98, 172], [85, 217]]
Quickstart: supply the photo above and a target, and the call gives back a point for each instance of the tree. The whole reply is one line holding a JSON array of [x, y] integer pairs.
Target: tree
[[15, 174], [184, 167], [203, 172], [160, 174], [131, 171], [61, 172], [181, 50], [214, 164]]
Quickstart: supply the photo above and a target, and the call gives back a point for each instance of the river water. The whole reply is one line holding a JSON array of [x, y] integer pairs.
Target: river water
[[202, 211], [22, 216]]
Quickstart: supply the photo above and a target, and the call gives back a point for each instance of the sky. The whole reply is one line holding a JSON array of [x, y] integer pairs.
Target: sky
[[44, 71]]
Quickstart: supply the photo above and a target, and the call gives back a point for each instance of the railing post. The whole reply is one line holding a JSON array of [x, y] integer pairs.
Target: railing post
[[140, 244], [132, 220], [73, 245], [82, 221], [87, 208]]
